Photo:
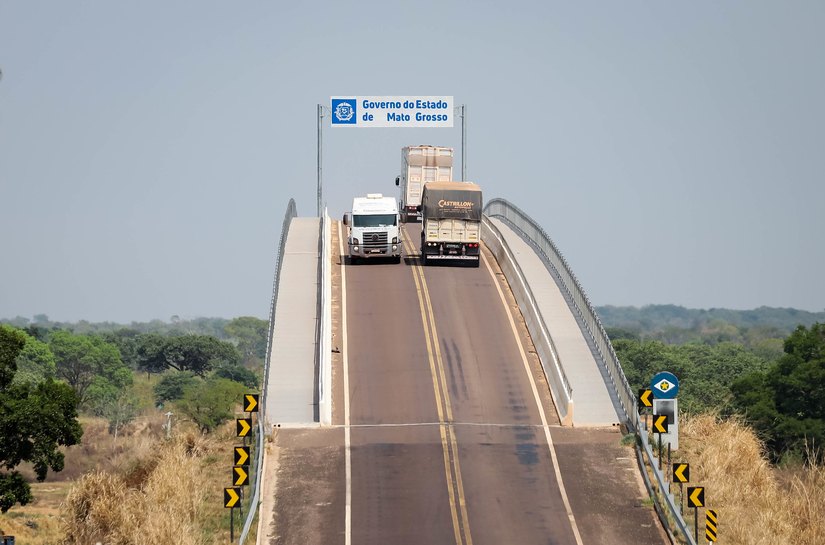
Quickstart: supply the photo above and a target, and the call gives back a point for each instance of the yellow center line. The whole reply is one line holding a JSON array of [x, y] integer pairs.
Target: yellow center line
[[440, 386]]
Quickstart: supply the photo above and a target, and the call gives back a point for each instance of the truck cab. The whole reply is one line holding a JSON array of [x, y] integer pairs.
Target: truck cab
[[373, 228]]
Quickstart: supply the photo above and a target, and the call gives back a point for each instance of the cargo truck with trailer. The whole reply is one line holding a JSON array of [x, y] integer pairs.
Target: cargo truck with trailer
[[420, 165], [373, 228], [451, 222]]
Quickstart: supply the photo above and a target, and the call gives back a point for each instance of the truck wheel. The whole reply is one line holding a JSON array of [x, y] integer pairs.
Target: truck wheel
[[397, 259], [424, 259]]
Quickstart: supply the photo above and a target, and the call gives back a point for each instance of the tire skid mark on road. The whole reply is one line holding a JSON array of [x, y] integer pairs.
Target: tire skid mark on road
[[452, 468]]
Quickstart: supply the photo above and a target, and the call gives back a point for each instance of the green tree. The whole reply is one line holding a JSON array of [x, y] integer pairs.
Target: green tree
[[786, 404], [90, 365], [237, 373], [34, 421], [172, 385], [210, 403], [35, 363], [196, 353], [250, 334], [119, 410]]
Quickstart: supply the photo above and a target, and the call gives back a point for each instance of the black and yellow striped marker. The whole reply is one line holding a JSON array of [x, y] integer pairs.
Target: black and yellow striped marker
[[710, 525]]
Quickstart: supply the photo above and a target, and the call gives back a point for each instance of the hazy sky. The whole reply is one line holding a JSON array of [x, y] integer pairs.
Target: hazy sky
[[674, 151]]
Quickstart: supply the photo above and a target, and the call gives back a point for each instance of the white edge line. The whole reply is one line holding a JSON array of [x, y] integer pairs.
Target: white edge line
[[347, 442], [546, 428]]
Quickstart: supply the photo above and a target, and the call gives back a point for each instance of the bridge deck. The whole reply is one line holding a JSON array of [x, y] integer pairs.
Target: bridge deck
[[592, 402], [291, 397]]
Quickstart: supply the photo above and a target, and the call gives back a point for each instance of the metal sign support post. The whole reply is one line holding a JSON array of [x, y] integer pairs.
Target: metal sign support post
[[232, 525], [696, 525], [320, 157], [463, 142]]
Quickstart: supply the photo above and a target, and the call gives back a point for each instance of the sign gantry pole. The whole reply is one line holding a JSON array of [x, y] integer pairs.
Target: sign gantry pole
[[320, 156], [463, 142]]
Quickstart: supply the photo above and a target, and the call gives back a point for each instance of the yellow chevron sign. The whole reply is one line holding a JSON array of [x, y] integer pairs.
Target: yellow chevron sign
[[231, 497], [239, 476], [696, 496], [250, 403], [243, 425], [241, 456], [659, 423], [710, 525], [681, 473], [646, 397]]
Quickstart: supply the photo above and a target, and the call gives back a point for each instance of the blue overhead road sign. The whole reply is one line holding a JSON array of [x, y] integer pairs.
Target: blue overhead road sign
[[391, 111], [664, 385]]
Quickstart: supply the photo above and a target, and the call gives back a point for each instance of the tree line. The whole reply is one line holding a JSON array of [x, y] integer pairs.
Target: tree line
[[781, 395]]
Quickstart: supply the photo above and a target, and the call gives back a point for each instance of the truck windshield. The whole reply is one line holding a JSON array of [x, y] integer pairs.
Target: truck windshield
[[378, 220]]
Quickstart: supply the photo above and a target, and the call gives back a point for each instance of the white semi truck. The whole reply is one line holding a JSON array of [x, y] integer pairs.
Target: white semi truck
[[420, 165], [373, 228], [451, 217]]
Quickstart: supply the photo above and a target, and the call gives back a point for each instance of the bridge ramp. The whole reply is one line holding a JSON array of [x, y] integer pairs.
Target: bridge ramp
[[291, 389], [592, 403]]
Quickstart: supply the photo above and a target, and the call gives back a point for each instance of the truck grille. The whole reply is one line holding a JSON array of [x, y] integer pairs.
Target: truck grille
[[375, 241]]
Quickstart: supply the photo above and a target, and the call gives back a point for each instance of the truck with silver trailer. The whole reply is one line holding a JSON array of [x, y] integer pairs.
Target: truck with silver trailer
[[420, 165]]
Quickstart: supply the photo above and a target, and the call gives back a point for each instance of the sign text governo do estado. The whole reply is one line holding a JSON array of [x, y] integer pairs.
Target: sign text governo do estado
[[392, 111]]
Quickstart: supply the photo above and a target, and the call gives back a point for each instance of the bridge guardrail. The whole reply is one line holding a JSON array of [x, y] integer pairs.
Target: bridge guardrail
[[555, 261], [291, 212], [324, 341]]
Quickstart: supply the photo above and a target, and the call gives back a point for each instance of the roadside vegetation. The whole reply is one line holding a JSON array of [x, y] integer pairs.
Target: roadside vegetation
[[87, 455], [757, 503], [752, 404]]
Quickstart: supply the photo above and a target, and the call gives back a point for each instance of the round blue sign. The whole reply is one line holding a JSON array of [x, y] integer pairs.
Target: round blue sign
[[664, 385]]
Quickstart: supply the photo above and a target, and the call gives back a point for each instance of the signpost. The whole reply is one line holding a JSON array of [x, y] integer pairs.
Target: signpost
[[710, 525], [665, 388], [240, 476], [660, 427], [681, 475], [390, 111], [241, 456], [242, 426], [646, 397], [250, 403], [696, 499], [231, 497]]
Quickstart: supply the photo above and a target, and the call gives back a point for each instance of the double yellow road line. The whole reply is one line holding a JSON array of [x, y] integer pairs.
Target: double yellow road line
[[449, 445]]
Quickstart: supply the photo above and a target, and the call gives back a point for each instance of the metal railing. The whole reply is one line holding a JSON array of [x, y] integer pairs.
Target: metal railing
[[553, 259], [324, 355], [291, 212]]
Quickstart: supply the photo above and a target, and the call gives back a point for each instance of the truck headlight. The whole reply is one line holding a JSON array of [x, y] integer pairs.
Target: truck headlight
[[355, 241], [395, 240]]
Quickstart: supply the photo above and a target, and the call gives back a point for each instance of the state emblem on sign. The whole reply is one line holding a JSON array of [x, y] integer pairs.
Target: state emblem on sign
[[344, 111], [664, 385]]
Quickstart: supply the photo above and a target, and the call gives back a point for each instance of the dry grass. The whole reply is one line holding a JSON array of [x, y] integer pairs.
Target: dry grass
[[756, 503], [141, 490], [161, 504]]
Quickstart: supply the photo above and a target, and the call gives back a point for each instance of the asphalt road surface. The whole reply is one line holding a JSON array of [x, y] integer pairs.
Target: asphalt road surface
[[450, 437]]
